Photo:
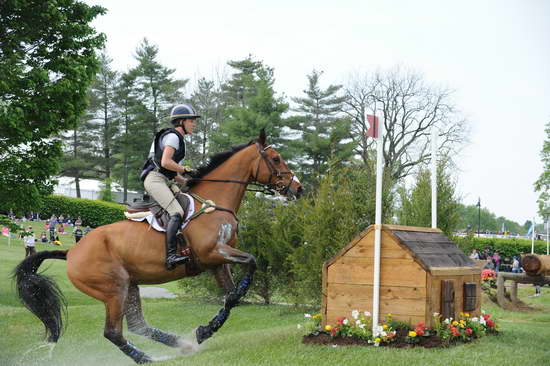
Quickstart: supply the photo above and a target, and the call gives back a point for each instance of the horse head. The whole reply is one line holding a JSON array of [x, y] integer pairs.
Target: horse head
[[271, 169]]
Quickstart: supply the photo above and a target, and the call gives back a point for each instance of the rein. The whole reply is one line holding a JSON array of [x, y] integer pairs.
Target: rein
[[269, 188]]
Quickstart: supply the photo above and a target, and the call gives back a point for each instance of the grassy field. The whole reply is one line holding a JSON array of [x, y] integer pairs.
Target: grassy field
[[253, 335]]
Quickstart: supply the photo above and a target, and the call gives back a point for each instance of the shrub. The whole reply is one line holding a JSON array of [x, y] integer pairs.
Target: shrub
[[506, 247], [92, 213]]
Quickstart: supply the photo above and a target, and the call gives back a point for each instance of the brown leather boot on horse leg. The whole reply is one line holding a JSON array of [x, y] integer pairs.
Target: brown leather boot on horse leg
[[111, 261]]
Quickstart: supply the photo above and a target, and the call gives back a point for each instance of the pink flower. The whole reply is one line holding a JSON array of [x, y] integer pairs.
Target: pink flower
[[469, 331]]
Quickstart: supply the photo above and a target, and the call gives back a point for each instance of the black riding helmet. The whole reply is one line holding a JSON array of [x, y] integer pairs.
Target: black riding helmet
[[183, 111]]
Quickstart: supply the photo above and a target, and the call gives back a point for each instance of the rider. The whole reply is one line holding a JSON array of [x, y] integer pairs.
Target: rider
[[162, 166]]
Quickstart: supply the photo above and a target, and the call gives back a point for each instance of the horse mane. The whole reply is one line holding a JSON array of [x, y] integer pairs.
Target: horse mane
[[215, 161]]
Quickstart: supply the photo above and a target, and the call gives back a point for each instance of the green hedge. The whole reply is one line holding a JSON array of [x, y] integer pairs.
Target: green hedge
[[92, 213], [506, 247]]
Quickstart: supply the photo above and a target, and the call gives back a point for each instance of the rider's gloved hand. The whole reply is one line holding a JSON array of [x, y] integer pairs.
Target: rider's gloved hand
[[187, 169]]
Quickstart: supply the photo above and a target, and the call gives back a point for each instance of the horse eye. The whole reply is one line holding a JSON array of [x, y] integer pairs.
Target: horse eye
[[277, 159]]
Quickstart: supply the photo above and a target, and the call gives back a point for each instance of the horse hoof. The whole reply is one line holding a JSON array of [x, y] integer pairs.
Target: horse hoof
[[203, 333]]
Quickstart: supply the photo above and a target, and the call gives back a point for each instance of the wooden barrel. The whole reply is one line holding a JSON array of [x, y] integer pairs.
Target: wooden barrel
[[535, 264]]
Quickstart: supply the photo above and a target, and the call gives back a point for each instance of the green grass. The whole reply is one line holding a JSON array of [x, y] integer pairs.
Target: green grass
[[253, 335]]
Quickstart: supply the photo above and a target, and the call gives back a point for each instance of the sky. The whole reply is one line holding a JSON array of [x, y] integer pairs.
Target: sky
[[495, 55]]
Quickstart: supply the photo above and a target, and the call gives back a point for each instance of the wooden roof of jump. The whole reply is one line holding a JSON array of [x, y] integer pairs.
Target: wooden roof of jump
[[430, 247]]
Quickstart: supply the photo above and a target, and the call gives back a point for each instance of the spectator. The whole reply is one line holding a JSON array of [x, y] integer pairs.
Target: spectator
[[515, 265], [43, 237], [61, 229], [78, 233], [29, 240], [496, 260], [51, 225], [78, 221], [474, 254], [489, 264]]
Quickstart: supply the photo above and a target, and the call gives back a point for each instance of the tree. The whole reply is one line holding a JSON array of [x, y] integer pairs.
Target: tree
[[542, 185], [251, 106], [128, 145], [416, 203], [102, 112], [207, 98], [158, 89], [323, 130], [410, 108], [47, 62]]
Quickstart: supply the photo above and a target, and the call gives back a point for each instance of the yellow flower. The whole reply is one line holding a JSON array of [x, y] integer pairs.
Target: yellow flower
[[462, 322], [455, 323], [328, 328], [497, 325], [412, 333], [385, 326], [317, 316], [461, 313], [377, 340], [461, 325], [467, 315]]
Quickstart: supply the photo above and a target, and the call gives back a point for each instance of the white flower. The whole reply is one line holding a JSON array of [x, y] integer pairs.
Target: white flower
[[355, 314], [366, 313], [377, 330], [299, 326], [362, 326], [376, 344], [383, 334], [475, 319], [307, 315], [482, 321], [358, 322], [447, 321], [436, 314], [334, 345], [346, 321]]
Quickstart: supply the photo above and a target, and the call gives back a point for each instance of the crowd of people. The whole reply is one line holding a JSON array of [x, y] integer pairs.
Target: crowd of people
[[56, 227]]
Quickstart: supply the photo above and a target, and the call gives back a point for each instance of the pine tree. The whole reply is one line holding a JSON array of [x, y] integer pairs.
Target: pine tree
[[324, 130], [251, 105], [103, 127], [542, 185]]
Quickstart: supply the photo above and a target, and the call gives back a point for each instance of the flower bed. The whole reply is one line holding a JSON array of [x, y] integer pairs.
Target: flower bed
[[357, 330]]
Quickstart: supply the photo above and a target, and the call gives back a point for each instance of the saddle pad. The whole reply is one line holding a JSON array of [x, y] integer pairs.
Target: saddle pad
[[152, 220]]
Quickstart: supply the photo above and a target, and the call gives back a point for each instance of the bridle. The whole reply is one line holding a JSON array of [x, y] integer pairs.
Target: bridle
[[269, 188], [279, 185]]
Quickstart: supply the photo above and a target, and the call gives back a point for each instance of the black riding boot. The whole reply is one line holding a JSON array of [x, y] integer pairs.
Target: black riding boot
[[172, 258]]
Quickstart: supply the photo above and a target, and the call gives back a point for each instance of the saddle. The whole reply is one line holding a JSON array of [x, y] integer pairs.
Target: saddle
[[149, 205]]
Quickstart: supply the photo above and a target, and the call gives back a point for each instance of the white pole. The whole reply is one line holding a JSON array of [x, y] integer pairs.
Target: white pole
[[547, 243], [533, 238], [434, 177], [378, 227]]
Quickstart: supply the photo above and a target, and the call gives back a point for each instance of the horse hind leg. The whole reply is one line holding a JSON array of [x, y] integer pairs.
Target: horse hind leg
[[113, 330], [137, 324]]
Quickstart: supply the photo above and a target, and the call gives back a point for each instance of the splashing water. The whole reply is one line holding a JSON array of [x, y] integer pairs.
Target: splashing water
[[188, 344], [26, 357]]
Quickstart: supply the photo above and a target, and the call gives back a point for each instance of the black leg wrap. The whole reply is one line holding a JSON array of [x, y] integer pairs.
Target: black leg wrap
[[135, 354], [204, 332], [168, 339]]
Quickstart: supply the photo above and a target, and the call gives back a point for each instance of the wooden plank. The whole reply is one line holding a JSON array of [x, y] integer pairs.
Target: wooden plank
[[324, 292], [350, 245], [364, 292], [410, 228], [393, 272], [447, 299], [389, 248], [455, 271], [470, 296], [429, 304]]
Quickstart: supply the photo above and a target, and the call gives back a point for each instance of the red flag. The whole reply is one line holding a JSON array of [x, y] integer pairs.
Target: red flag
[[373, 128]]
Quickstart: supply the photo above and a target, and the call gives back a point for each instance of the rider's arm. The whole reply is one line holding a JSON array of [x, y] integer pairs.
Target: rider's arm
[[168, 163]]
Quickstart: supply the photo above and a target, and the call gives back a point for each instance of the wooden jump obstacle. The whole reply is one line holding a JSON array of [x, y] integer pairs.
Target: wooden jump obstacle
[[537, 269], [421, 272]]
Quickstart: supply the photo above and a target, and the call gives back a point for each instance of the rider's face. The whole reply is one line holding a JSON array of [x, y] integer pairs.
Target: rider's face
[[189, 125]]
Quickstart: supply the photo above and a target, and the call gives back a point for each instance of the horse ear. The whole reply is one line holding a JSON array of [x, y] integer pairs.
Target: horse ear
[[262, 137]]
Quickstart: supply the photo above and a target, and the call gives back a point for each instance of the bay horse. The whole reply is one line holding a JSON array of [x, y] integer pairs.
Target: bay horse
[[111, 261]]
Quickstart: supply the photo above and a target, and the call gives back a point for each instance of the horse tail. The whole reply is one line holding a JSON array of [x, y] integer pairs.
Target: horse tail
[[40, 294]]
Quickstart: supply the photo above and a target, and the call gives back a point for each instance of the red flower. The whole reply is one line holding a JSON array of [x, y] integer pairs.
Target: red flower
[[419, 331], [486, 316], [490, 323], [340, 320], [469, 331], [333, 331], [455, 332], [421, 325]]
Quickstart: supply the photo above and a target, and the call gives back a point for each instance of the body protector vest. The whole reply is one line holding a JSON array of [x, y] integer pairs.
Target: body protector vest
[[154, 161]]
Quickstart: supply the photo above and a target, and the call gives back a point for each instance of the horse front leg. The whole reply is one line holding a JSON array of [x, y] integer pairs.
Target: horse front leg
[[229, 255]]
